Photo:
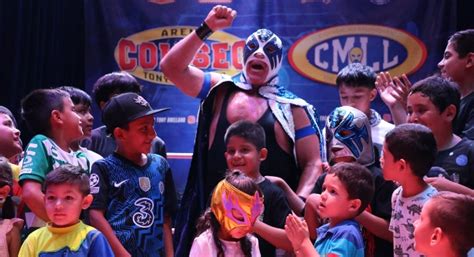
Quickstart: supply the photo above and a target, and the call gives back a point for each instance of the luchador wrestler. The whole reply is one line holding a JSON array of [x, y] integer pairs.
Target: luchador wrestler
[[348, 139], [291, 128]]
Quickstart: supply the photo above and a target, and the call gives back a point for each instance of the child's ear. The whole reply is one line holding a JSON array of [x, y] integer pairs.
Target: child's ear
[[373, 94], [118, 133], [355, 205], [436, 236], [86, 202], [450, 112], [56, 116], [470, 60], [402, 165], [263, 153]]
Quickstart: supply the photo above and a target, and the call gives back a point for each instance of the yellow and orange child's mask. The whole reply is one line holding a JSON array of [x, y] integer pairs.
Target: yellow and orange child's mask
[[234, 208]]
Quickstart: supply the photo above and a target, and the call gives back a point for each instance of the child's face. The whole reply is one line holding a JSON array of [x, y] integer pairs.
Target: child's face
[[4, 191], [84, 112], [357, 97], [71, 121], [139, 135], [335, 202], [421, 110], [9, 137], [64, 204], [451, 66], [388, 164], [242, 155], [424, 229]]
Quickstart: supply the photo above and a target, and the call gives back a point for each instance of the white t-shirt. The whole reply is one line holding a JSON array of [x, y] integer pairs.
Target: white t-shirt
[[204, 246], [379, 128], [90, 155], [405, 211]]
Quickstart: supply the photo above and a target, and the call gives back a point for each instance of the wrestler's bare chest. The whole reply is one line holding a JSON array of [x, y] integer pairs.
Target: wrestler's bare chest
[[245, 106]]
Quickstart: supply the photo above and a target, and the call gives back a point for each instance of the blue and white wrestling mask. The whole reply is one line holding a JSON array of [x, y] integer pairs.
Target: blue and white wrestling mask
[[267, 43], [348, 136]]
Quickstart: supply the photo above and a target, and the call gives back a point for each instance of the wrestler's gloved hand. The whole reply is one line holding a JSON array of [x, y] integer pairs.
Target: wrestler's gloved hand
[[220, 17]]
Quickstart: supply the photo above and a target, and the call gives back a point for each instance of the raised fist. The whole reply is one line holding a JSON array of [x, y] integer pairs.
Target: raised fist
[[220, 17]]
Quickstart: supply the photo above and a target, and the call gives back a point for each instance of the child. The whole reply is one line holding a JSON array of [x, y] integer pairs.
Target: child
[[10, 226], [50, 115], [106, 87], [134, 195], [82, 105], [457, 65], [409, 152], [434, 102], [223, 230], [67, 193], [245, 150], [356, 86], [445, 226], [348, 189], [10, 144]]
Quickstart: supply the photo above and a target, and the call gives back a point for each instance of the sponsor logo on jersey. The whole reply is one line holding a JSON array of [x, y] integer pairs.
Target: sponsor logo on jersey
[[118, 184], [94, 180], [161, 186], [93, 183], [144, 183]]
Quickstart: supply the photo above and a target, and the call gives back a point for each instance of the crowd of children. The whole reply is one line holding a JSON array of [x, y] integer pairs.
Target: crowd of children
[[387, 190]]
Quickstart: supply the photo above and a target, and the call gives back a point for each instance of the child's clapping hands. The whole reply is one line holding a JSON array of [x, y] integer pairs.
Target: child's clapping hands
[[298, 234]]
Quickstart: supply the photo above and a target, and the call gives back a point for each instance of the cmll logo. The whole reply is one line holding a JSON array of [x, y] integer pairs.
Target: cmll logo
[[320, 55], [140, 54]]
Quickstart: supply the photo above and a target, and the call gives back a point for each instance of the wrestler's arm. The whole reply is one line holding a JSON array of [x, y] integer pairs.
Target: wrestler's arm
[[307, 154], [176, 63]]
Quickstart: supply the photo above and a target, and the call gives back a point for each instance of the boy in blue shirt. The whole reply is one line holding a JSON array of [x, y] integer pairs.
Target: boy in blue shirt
[[134, 194], [347, 190]]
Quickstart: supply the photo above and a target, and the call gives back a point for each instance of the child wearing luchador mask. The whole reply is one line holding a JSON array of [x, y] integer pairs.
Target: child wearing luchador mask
[[223, 230]]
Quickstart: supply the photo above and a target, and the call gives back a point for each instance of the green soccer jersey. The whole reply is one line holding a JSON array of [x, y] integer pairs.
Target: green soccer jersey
[[42, 155]]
